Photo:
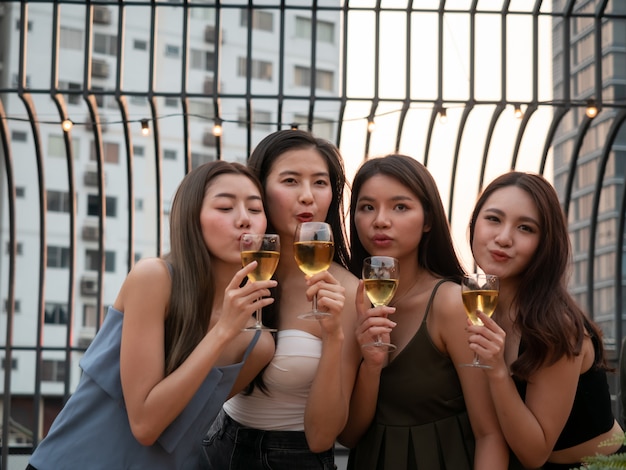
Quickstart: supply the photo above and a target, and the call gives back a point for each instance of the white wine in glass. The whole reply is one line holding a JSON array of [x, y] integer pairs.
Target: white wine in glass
[[380, 279], [313, 251], [265, 250], [479, 292]]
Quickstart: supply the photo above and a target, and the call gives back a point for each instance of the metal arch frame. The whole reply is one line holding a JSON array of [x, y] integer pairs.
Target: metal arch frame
[[89, 97], [606, 152]]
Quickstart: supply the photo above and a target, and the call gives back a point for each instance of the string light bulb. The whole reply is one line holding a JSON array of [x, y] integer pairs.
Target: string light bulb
[[371, 125], [443, 115], [517, 112], [592, 110], [294, 126], [217, 128], [67, 125], [145, 127]]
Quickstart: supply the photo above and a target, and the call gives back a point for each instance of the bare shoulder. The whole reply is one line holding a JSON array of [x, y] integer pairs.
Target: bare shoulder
[[447, 303], [148, 279], [345, 277]]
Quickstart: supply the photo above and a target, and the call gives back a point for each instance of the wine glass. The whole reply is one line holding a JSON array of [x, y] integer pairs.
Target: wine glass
[[380, 279], [265, 250], [480, 292], [313, 250]]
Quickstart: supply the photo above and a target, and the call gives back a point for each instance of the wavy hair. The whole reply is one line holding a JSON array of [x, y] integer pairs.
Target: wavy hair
[[551, 323], [193, 282]]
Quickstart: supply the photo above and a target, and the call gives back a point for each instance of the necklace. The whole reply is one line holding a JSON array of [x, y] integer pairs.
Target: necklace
[[398, 298]]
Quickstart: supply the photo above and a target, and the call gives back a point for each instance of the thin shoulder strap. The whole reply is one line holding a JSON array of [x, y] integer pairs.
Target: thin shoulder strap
[[257, 335], [432, 296]]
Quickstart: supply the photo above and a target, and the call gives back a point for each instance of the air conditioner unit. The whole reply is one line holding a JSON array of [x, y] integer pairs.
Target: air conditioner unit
[[104, 125], [91, 178], [88, 286], [99, 68], [209, 140], [209, 34], [90, 233], [86, 336], [101, 15]]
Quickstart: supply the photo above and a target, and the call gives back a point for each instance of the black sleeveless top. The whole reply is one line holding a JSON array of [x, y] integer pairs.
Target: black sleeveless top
[[591, 413]]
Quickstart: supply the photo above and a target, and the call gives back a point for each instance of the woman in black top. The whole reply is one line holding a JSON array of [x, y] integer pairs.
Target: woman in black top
[[548, 376]]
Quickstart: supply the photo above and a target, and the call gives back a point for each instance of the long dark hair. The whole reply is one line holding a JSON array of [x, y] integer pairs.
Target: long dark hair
[[193, 284], [551, 323], [436, 251], [261, 161]]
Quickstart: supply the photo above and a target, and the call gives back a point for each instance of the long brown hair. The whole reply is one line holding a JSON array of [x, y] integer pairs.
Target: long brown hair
[[193, 283], [436, 251], [551, 324]]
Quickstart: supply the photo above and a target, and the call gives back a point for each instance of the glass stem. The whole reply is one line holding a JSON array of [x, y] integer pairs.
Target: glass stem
[[315, 303]]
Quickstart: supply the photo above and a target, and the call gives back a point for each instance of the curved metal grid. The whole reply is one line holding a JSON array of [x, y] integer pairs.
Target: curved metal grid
[[400, 65]]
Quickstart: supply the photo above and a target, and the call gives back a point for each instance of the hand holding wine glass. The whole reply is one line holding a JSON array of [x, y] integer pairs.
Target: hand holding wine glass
[[480, 292], [265, 250], [314, 249], [380, 279]]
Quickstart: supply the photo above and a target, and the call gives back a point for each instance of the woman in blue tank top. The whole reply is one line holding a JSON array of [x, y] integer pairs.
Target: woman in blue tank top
[[171, 348], [548, 371]]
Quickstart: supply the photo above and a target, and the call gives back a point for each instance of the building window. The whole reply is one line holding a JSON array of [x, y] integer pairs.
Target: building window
[[92, 261], [324, 80], [58, 257], [260, 120], [53, 371], [71, 38], [198, 159], [15, 80], [19, 136], [20, 191], [73, 98], [262, 20], [323, 128], [138, 151], [140, 45], [56, 146], [202, 60], [111, 152], [261, 69], [13, 363], [90, 317], [169, 154], [18, 24], [19, 248], [56, 314], [171, 102], [139, 204], [17, 304], [58, 201], [201, 108], [172, 51], [325, 30], [104, 44], [93, 205]]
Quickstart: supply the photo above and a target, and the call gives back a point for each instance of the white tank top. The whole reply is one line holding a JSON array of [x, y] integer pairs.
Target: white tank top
[[288, 378]]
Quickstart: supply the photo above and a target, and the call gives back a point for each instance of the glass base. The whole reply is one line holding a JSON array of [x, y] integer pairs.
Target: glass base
[[476, 364], [381, 345], [259, 328], [314, 315]]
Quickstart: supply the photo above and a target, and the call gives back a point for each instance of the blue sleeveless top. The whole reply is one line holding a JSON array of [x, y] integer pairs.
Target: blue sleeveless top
[[92, 430]]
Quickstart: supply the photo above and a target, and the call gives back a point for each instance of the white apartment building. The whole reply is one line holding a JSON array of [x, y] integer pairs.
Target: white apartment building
[[270, 59]]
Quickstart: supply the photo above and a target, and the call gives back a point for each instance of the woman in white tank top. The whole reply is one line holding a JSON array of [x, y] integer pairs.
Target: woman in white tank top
[[291, 415]]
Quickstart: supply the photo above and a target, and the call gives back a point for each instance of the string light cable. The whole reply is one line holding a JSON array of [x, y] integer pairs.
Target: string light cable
[[67, 124]]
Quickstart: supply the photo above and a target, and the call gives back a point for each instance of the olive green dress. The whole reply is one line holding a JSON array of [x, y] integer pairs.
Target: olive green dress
[[421, 421]]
